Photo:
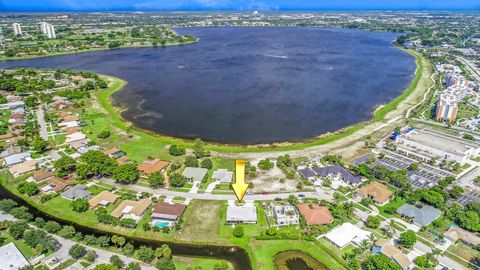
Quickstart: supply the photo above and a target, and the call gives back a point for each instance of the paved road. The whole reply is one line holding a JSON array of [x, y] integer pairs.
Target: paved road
[[470, 66], [220, 197], [41, 124]]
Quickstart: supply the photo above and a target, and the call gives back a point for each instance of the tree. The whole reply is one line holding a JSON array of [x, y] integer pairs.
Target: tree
[[80, 205], [199, 148], [21, 212], [265, 164], [284, 161], [380, 261], [39, 145], [118, 241], [373, 222], [238, 231], [145, 254], [17, 229], [206, 163], [470, 137], [10, 52], [165, 264], [64, 166], [133, 266], [176, 150], [456, 192], [95, 163], [126, 173], [29, 189], [293, 200], [116, 261], [156, 179], [391, 225], [177, 180], [77, 251], [413, 167], [469, 220], [408, 238], [191, 161], [67, 232], [7, 204], [91, 256], [52, 226]]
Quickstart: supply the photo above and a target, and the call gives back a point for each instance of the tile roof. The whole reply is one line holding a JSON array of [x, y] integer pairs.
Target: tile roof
[[307, 173], [347, 176], [377, 191], [149, 166], [315, 214]]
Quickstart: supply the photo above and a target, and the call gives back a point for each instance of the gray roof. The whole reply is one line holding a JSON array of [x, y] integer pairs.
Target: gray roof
[[243, 213], [195, 174], [16, 158], [421, 216], [12, 258], [346, 175], [222, 175], [76, 192], [307, 172]]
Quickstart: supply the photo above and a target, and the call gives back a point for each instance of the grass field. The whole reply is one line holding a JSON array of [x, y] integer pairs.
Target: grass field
[[184, 263], [202, 221]]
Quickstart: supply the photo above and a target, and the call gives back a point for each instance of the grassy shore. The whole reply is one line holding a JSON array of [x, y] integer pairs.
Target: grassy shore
[[144, 143], [3, 57]]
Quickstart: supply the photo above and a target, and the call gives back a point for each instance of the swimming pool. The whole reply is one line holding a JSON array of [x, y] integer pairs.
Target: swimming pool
[[161, 224]]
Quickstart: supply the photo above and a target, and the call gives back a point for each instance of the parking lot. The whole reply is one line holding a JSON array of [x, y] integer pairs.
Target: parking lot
[[468, 197]]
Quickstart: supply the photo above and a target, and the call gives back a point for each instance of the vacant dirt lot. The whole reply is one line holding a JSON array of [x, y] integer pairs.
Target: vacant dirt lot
[[202, 222]]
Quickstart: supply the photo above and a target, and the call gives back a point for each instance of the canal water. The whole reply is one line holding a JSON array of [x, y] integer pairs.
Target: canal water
[[237, 256]]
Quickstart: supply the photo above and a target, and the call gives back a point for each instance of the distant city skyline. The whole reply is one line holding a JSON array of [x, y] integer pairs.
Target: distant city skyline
[[261, 5]]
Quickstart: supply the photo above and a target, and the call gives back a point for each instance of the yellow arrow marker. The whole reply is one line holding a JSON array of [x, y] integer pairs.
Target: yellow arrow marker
[[240, 187]]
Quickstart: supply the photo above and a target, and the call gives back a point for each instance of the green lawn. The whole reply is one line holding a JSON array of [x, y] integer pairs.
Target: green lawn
[[184, 263]]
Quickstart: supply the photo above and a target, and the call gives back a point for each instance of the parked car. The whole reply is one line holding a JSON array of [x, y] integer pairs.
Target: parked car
[[301, 195]]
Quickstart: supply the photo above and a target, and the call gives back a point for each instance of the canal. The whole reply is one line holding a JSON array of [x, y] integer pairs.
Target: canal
[[237, 256]]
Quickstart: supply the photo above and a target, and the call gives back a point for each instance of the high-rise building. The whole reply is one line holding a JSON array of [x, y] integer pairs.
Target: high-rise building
[[2, 39], [46, 29], [17, 29], [447, 107]]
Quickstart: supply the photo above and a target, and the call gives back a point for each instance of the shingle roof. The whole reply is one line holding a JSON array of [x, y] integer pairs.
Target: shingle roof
[[222, 175], [422, 216], [106, 196], [169, 209], [196, 174], [77, 192], [307, 172], [135, 207], [346, 175]]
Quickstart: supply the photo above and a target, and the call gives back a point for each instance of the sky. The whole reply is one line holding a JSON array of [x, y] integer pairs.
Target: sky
[[262, 5]]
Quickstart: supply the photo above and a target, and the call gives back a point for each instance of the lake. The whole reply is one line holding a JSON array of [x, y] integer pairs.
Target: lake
[[251, 85]]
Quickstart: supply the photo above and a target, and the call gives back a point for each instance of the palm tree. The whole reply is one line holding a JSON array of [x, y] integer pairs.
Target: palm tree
[[371, 237], [365, 244], [391, 225]]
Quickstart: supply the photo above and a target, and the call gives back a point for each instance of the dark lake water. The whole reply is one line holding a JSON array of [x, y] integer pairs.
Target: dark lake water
[[251, 85]]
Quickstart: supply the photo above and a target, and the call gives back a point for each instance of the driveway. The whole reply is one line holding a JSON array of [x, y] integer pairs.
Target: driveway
[[41, 124]]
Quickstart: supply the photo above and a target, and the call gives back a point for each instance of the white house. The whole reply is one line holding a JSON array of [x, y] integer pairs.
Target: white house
[[347, 233]]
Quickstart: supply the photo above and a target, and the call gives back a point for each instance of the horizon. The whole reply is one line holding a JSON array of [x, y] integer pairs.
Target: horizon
[[231, 5]]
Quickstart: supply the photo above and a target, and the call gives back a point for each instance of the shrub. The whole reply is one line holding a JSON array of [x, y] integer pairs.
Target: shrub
[[104, 134], [176, 150], [238, 231]]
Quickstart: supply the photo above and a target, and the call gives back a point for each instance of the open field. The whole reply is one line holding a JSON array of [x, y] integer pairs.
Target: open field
[[202, 222]]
